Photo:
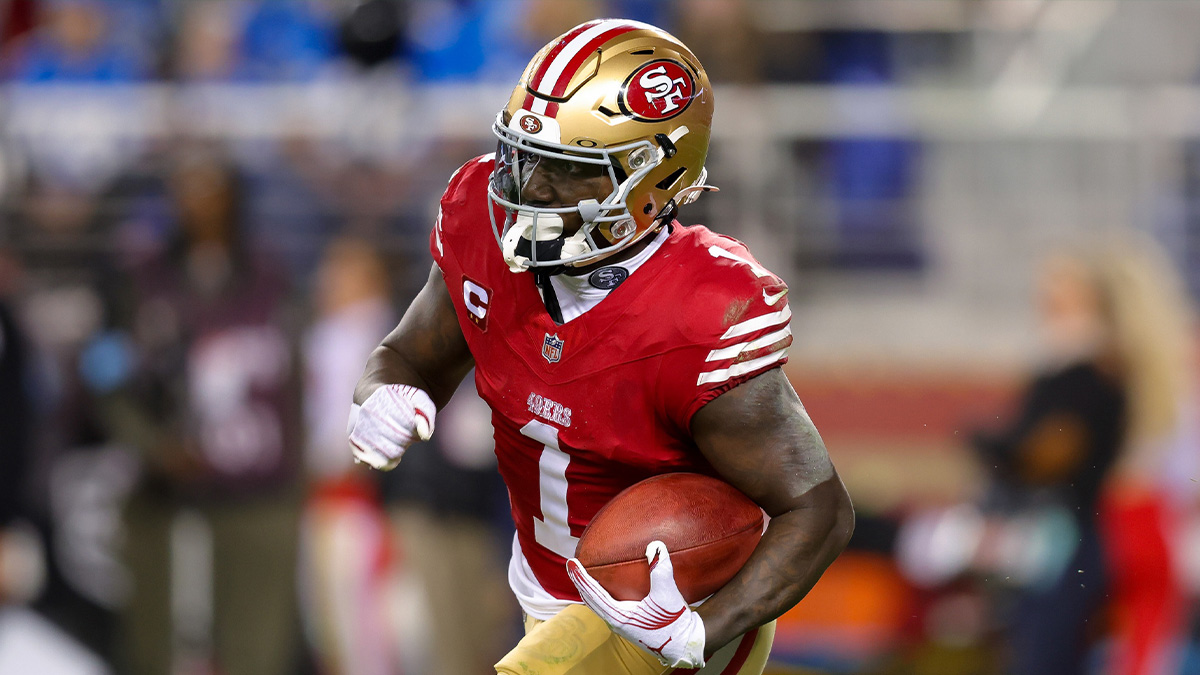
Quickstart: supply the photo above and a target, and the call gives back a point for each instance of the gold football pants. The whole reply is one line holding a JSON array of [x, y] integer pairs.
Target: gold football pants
[[578, 642]]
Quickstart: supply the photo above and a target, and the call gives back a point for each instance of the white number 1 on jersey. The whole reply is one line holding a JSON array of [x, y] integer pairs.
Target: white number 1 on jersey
[[552, 530]]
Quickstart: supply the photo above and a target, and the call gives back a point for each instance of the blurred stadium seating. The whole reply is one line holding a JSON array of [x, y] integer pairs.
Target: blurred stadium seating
[[901, 164]]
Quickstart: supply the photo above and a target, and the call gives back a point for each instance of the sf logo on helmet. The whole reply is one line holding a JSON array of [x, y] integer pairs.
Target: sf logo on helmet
[[531, 124], [657, 91]]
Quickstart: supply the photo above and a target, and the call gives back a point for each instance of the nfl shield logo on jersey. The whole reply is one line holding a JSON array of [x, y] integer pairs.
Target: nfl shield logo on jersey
[[552, 348]]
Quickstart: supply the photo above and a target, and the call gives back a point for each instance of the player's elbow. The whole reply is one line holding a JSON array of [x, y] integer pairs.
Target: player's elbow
[[843, 521], [830, 518]]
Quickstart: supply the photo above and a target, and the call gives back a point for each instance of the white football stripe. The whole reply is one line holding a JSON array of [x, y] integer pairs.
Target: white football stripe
[[571, 50], [733, 351], [741, 368], [759, 323], [718, 252], [539, 105]]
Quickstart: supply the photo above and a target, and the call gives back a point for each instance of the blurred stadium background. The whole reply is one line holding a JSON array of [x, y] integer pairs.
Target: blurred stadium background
[[903, 164]]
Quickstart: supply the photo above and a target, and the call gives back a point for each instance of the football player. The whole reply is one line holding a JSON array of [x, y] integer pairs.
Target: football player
[[612, 344]]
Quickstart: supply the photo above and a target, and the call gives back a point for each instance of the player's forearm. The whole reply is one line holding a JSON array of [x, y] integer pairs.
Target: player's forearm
[[389, 366], [795, 550]]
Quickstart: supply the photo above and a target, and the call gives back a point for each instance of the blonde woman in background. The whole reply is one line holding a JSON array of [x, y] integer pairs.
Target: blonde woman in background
[[1152, 483], [1054, 456], [1104, 435]]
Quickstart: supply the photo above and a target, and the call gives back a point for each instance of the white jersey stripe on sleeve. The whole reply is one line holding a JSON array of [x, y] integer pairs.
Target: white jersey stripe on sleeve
[[716, 376], [758, 323], [741, 347], [759, 271]]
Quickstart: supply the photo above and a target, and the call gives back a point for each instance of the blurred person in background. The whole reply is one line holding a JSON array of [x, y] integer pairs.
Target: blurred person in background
[[48, 623], [17, 17], [448, 507], [374, 32], [544, 19], [1153, 485], [61, 71], [77, 41], [37, 627], [293, 202], [1055, 455], [16, 435], [1105, 434], [287, 41], [484, 40], [444, 506], [206, 47], [346, 538], [261, 41], [725, 37], [68, 289], [211, 404]]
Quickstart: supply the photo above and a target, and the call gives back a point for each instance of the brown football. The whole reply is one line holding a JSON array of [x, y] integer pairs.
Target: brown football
[[709, 527]]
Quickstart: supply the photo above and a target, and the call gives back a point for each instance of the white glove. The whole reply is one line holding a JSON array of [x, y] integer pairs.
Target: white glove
[[662, 622], [391, 419]]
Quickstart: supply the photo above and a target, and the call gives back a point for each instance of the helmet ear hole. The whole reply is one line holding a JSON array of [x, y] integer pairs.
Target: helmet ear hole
[[673, 178]]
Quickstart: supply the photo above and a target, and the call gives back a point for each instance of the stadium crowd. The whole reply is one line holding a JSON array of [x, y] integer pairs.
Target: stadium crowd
[[184, 312]]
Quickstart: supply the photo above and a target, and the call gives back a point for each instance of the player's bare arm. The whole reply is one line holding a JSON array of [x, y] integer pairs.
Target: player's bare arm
[[426, 349], [760, 439], [407, 378]]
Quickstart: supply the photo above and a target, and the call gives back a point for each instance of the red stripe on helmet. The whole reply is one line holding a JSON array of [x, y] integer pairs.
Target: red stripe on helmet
[[528, 104], [560, 87], [551, 109], [535, 82]]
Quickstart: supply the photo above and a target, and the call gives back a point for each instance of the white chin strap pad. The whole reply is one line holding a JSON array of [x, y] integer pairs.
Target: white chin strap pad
[[550, 226], [574, 245]]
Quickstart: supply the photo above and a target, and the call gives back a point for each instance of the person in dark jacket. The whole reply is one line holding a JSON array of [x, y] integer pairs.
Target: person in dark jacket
[[212, 407], [15, 415], [1056, 454]]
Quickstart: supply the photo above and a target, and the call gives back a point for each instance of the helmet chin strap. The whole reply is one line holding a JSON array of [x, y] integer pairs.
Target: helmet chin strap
[[518, 245]]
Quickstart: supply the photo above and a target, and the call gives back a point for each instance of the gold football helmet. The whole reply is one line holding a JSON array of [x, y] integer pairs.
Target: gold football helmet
[[612, 97]]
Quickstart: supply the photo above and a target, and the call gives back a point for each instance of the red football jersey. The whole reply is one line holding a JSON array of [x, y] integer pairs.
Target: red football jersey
[[585, 409]]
